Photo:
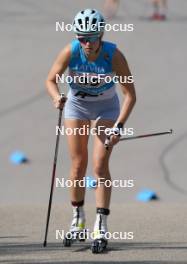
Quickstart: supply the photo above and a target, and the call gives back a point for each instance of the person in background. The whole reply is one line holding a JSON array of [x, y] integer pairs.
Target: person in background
[[111, 8], [159, 10]]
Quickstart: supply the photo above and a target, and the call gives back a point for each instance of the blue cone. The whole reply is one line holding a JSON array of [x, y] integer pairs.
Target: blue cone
[[90, 182], [18, 157], [146, 195]]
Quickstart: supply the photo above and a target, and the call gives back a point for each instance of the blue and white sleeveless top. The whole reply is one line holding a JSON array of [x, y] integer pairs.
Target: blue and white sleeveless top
[[92, 77]]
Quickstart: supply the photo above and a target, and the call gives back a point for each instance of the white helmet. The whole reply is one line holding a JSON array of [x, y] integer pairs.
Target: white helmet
[[88, 21]]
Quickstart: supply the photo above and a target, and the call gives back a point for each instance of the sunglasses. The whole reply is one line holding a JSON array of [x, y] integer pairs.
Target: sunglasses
[[88, 39]]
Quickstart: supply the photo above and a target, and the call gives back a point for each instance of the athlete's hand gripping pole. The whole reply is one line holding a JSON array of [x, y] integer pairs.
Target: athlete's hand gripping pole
[[107, 141], [63, 98], [114, 131]]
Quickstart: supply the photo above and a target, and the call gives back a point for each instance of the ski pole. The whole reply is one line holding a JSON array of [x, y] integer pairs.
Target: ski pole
[[148, 135], [53, 176], [139, 136]]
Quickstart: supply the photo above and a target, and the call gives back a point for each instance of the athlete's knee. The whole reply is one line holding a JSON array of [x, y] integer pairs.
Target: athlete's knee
[[78, 167], [101, 170]]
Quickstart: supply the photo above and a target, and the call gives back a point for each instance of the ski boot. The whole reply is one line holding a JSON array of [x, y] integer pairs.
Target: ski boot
[[100, 242], [77, 230]]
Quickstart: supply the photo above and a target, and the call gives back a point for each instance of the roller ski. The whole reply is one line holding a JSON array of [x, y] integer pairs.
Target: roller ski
[[99, 245], [77, 230], [100, 241], [72, 237]]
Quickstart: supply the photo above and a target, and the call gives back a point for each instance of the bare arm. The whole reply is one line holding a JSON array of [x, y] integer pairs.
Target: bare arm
[[121, 68], [59, 67]]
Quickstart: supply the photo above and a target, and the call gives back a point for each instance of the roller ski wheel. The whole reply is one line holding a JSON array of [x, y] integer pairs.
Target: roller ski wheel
[[72, 237], [99, 245], [67, 241], [82, 236]]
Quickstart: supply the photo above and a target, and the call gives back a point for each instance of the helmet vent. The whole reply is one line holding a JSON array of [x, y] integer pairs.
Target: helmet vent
[[86, 22], [80, 22], [82, 12], [94, 21], [93, 11]]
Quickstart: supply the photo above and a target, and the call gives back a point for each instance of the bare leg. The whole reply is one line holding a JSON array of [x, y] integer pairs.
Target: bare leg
[[101, 167], [101, 171], [155, 8], [164, 3], [163, 9], [79, 157], [110, 8]]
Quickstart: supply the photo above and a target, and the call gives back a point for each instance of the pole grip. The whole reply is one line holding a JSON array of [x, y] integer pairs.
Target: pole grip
[[106, 144]]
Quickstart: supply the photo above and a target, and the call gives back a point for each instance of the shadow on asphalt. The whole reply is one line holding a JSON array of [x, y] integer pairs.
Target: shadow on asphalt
[[94, 262], [1, 237], [10, 249]]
